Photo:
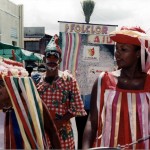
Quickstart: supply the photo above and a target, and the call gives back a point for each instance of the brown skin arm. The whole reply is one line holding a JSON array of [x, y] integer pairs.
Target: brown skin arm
[[4, 96], [92, 121], [50, 128], [63, 120]]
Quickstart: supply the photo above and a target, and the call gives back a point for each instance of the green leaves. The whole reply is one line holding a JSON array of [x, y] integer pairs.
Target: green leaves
[[88, 7]]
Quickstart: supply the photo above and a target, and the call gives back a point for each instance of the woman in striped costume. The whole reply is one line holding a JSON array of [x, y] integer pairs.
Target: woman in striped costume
[[23, 121], [120, 100]]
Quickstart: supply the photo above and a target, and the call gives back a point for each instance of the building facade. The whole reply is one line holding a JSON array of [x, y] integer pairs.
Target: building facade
[[11, 23], [35, 39]]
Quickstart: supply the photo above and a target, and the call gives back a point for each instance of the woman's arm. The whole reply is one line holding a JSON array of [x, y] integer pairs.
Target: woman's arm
[[50, 128], [92, 121]]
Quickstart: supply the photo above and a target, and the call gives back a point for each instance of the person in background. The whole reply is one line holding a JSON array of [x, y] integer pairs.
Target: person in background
[[60, 92], [29, 68], [24, 118], [119, 113]]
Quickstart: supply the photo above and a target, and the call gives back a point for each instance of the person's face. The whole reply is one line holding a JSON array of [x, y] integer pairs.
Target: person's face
[[4, 96], [52, 60], [126, 55]]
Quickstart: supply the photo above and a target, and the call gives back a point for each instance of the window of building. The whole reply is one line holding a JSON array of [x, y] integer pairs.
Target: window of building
[[32, 46], [13, 33]]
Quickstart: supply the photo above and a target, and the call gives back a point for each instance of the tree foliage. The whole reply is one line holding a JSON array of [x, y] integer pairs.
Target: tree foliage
[[88, 7]]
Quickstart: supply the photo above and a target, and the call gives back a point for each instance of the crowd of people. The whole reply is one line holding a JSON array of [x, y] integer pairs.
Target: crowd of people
[[36, 111]]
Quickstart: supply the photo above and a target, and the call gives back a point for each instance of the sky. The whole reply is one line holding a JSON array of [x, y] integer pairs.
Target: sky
[[47, 13]]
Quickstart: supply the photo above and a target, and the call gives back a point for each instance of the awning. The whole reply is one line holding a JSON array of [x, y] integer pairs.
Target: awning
[[27, 55], [21, 54]]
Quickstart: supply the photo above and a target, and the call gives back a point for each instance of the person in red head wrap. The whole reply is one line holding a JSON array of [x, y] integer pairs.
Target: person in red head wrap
[[119, 114]]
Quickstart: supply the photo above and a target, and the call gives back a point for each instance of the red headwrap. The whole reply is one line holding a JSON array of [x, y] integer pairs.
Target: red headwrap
[[128, 35], [135, 36]]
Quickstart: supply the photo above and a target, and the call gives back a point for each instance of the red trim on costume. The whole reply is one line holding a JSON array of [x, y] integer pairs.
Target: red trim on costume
[[11, 62], [33, 145]]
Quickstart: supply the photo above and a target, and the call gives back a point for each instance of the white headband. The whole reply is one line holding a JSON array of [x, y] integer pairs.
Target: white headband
[[145, 49]]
